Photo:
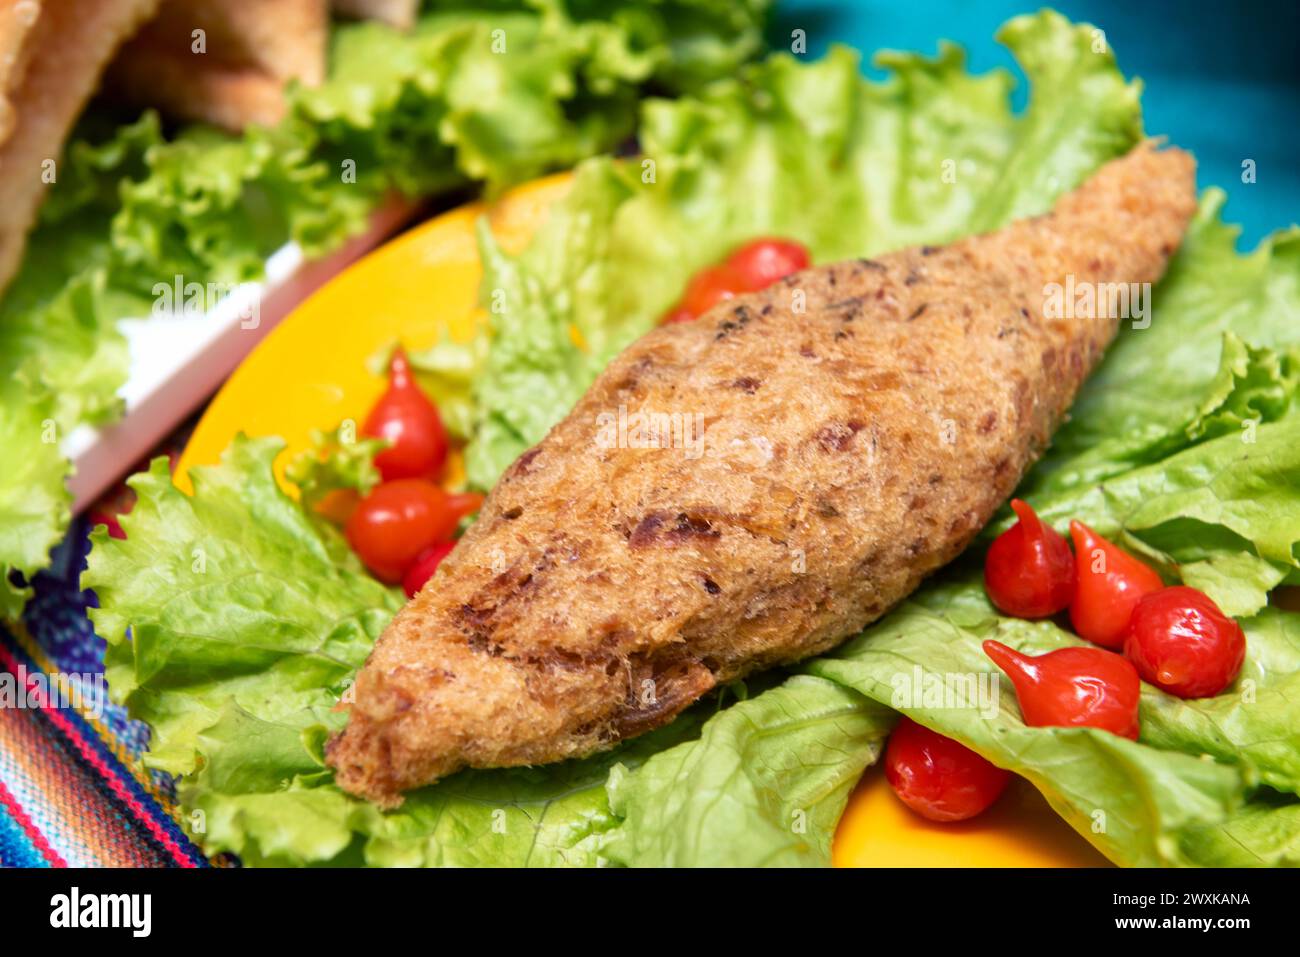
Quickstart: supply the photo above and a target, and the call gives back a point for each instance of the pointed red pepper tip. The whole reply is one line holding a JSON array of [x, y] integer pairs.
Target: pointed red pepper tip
[[399, 369], [1028, 517], [1007, 658], [1024, 671]]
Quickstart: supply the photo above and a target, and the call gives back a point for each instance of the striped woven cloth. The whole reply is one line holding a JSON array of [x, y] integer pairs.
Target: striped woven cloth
[[73, 790]]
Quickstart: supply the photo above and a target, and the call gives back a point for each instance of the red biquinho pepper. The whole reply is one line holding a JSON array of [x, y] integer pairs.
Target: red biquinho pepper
[[1108, 584], [1073, 687], [939, 778], [406, 417], [1029, 571], [1181, 642]]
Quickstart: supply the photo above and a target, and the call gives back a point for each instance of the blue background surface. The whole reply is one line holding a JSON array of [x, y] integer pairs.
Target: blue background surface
[[1221, 79]]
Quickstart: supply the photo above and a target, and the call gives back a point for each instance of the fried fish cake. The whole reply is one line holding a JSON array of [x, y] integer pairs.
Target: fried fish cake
[[752, 488]]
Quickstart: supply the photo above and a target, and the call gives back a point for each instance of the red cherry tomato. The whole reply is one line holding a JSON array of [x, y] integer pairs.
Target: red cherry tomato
[[680, 314], [1073, 687], [1108, 582], [397, 521], [405, 416], [1181, 642], [1029, 571], [710, 287], [762, 262], [425, 565], [937, 777]]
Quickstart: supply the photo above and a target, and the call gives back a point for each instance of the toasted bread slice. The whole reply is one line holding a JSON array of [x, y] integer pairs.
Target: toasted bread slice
[[52, 55], [397, 13], [224, 62]]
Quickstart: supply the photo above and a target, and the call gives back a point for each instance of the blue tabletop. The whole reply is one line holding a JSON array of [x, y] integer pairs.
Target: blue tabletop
[[1221, 79]]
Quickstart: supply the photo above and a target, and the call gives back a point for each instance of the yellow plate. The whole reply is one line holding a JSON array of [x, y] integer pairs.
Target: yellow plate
[[310, 373]]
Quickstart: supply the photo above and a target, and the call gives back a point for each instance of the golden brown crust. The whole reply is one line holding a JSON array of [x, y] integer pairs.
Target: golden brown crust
[[850, 450], [250, 50], [51, 57]]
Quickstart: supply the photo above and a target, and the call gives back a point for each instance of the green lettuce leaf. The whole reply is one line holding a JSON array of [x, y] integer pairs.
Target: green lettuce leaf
[[57, 318], [750, 157], [212, 208], [535, 86], [61, 357], [763, 786], [1264, 833], [234, 596], [336, 461], [34, 504], [265, 794]]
